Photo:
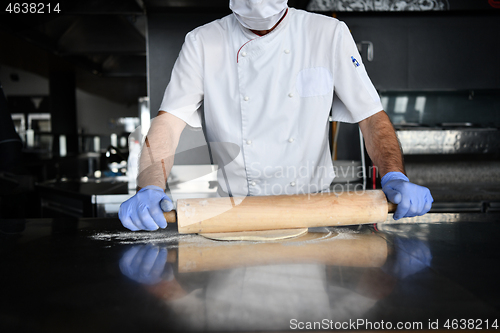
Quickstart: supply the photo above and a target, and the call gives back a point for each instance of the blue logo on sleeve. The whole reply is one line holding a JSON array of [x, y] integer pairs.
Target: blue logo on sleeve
[[355, 62]]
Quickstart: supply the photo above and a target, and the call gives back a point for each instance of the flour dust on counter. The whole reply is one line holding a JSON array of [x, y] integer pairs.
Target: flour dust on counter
[[172, 237], [142, 237]]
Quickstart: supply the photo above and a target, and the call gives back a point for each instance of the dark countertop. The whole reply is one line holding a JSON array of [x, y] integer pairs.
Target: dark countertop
[[91, 275]]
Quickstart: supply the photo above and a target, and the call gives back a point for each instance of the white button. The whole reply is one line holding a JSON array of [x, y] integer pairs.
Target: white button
[[249, 142], [292, 184], [291, 140], [287, 51], [253, 183], [290, 95], [246, 98], [243, 54]]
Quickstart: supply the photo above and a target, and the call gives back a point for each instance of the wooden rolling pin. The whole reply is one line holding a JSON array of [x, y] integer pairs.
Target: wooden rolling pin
[[279, 212]]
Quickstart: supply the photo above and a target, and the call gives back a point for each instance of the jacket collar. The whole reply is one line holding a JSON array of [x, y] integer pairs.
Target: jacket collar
[[270, 36]]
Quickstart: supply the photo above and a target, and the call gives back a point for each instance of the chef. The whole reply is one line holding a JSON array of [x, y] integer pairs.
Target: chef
[[269, 77]]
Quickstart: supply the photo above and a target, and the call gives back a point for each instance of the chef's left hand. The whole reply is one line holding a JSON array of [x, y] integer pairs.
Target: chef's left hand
[[412, 199]]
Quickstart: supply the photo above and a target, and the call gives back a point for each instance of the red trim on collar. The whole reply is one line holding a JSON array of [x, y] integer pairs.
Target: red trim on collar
[[276, 25]]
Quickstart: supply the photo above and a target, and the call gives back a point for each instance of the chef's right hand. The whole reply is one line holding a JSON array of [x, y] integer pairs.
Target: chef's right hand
[[144, 211], [146, 264]]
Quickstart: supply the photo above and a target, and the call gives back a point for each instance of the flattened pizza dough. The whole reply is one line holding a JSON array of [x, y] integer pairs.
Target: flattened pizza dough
[[261, 235]]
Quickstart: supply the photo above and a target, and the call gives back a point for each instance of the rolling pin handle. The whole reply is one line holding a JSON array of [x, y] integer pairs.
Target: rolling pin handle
[[391, 207], [171, 216]]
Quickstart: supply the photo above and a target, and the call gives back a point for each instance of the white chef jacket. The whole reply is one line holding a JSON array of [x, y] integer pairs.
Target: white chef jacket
[[271, 96]]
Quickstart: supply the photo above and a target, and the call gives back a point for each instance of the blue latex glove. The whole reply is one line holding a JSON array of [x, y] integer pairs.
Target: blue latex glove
[[146, 264], [412, 199], [144, 211], [412, 256]]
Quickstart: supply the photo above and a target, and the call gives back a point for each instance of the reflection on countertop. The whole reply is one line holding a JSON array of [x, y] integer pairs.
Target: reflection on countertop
[[334, 273], [92, 274]]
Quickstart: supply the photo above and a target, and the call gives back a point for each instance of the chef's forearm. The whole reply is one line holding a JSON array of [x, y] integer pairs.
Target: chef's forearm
[[382, 143], [157, 154]]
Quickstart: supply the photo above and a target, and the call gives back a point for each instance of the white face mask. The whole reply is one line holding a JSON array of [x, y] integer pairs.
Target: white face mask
[[258, 14]]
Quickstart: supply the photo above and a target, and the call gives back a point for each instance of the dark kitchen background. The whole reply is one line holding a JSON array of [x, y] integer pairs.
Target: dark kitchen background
[[80, 79]]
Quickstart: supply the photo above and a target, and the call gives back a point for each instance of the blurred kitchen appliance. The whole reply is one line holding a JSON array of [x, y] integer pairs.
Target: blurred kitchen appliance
[[40, 121], [130, 123], [20, 125], [459, 164], [38, 133], [459, 139]]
